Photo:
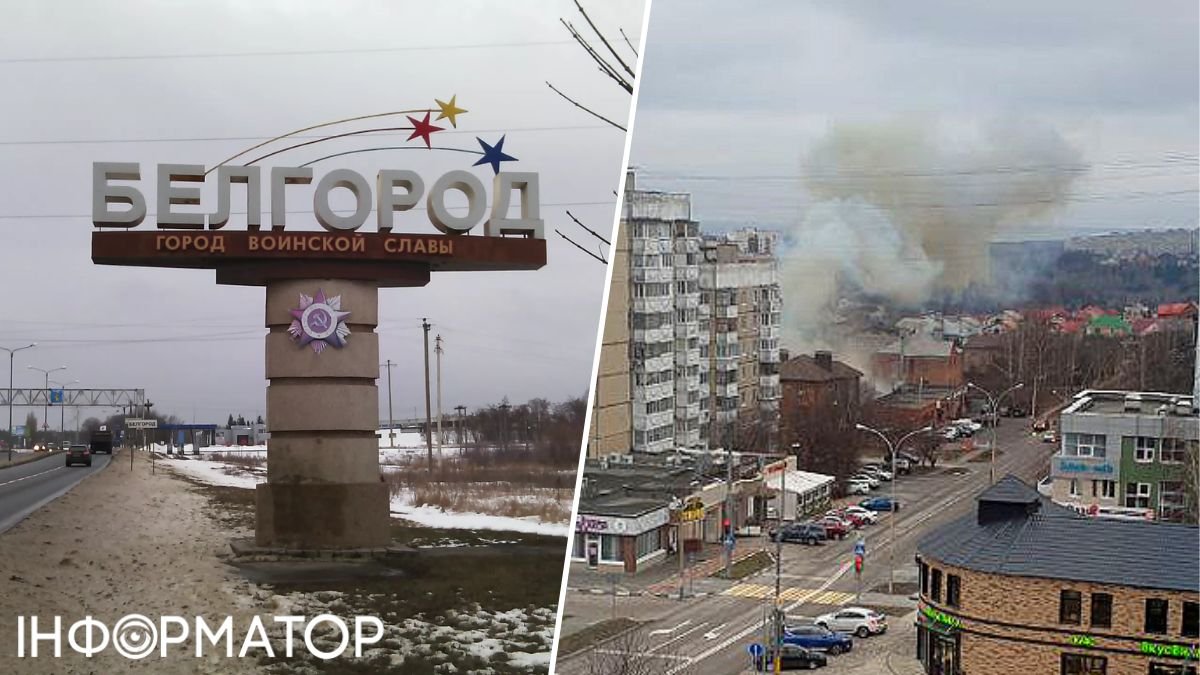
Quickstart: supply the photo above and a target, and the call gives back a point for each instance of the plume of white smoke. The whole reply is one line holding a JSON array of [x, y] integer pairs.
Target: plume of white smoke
[[902, 210]]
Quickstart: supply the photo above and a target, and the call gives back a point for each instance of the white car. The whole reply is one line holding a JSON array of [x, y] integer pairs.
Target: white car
[[857, 487], [866, 514], [857, 620], [872, 481], [878, 472]]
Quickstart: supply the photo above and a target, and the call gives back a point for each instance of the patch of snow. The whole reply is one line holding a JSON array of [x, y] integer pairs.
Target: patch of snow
[[216, 473], [431, 516]]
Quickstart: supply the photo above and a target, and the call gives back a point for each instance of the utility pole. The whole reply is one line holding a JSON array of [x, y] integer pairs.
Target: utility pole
[[504, 428], [428, 420], [10, 393], [391, 421], [46, 407], [728, 509], [438, 350]]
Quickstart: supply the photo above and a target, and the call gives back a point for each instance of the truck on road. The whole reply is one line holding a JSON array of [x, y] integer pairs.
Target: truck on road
[[102, 441]]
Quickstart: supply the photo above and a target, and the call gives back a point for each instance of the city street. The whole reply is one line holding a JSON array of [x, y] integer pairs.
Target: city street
[[27, 487], [710, 634]]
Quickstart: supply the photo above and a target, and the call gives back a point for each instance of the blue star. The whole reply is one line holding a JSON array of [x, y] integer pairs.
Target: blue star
[[493, 154]]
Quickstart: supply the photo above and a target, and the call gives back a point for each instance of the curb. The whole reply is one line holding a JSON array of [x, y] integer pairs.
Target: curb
[[640, 594]]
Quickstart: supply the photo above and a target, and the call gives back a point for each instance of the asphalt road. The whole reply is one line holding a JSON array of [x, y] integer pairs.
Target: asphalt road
[[28, 487], [710, 634]]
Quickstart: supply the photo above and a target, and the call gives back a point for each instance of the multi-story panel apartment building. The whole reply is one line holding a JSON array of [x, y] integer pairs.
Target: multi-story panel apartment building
[[612, 430], [664, 338], [739, 324], [1126, 450]]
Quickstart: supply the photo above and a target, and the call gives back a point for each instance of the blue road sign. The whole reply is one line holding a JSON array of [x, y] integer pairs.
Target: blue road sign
[[729, 541], [860, 547], [756, 650], [56, 395]]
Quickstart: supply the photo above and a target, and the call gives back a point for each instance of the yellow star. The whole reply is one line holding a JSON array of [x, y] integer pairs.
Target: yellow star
[[449, 110]]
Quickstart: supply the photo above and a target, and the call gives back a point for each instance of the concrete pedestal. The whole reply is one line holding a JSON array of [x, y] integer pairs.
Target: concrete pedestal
[[324, 489]]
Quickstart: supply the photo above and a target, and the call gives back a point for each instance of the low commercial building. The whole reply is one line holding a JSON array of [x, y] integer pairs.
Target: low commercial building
[[1023, 585], [1126, 450], [912, 406], [805, 493]]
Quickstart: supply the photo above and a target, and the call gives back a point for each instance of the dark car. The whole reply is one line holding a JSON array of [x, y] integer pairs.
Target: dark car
[[791, 657], [835, 527], [880, 504], [1017, 411], [79, 454], [800, 533], [818, 638]]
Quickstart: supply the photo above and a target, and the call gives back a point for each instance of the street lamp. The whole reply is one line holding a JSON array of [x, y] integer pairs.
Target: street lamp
[[994, 403], [62, 421], [895, 479], [10, 391], [46, 408]]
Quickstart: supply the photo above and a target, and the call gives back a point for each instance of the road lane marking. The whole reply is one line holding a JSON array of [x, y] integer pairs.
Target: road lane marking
[[814, 596], [35, 475], [712, 634], [682, 635], [668, 631]]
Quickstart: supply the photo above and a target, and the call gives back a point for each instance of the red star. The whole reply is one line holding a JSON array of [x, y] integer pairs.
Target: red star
[[422, 128]]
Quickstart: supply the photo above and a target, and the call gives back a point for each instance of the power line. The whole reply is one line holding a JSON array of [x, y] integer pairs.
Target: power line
[[303, 52], [207, 139]]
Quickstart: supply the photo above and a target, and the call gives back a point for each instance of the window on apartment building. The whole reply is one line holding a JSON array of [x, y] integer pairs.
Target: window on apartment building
[[953, 590], [1144, 448], [1156, 615], [1101, 610], [1083, 445], [1070, 607], [1175, 450], [1084, 664], [1190, 626], [1137, 495], [935, 585]]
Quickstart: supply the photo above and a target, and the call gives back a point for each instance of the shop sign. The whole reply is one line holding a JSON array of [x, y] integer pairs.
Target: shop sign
[[1169, 650], [1082, 640], [941, 618], [692, 511], [621, 526]]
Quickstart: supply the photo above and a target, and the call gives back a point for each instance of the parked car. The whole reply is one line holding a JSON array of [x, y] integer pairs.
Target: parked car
[[1017, 411], [967, 425], [857, 487], [835, 527], [866, 514], [791, 657], [857, 620], [818, 639], [79, 454], [949, 433], [880, 504], [872, 481], [800, 533], [1040, 425], [1049, 436], [911, 457], [877, 471], [857, 520]]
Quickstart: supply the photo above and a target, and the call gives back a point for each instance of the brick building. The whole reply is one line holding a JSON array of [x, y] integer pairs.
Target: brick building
[[818, 386], [1026, 586], [919, 360]]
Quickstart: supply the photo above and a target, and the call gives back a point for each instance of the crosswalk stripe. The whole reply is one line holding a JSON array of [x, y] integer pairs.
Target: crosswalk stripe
[[791, 594]]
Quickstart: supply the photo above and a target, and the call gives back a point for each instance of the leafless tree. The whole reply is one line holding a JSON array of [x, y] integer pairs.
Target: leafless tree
[[632, 653]]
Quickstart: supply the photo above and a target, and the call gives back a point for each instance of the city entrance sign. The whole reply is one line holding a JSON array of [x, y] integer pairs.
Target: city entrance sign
[[322, 269]]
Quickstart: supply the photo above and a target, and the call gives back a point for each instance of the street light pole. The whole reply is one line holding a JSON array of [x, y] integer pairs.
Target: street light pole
[[46, 408], [994, 403], [62, 410], [10, 392], [895, 479]]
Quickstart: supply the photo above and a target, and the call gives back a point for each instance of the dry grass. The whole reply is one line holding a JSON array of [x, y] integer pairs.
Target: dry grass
[[515, 490], [248, 461]]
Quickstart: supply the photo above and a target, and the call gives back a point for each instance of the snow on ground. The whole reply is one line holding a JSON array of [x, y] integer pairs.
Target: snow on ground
[[217, 473], [432, 516]]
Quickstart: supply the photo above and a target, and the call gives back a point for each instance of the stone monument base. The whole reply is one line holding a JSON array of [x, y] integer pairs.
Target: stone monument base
[[320, 516]]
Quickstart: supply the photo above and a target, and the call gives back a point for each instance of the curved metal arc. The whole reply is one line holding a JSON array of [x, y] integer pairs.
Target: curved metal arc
[[392, 147], [358, 132], [317, 126]]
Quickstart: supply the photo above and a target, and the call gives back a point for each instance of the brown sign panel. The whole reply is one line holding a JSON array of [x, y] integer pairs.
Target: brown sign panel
[[256, 257]]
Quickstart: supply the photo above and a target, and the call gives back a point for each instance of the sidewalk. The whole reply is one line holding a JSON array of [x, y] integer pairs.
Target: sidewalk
[[663, 579]]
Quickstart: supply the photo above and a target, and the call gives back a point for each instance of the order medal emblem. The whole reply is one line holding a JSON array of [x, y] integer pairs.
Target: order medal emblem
[[319, 322]]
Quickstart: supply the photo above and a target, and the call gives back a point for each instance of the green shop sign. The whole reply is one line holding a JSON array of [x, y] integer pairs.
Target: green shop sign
[[941, 617], [1083, 640], [1161, 649]]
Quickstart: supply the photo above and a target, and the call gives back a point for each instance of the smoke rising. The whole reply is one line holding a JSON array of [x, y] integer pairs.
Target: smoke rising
[[903, 211]]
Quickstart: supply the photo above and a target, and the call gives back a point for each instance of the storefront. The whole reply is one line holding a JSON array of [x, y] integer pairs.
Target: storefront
[[804, 493], [939, 643], [628, 541]]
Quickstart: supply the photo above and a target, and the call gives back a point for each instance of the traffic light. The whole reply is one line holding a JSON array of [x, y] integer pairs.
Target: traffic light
[[726, 526]]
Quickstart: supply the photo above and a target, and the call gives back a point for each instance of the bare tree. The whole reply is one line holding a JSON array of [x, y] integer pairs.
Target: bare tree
[[632, 653]]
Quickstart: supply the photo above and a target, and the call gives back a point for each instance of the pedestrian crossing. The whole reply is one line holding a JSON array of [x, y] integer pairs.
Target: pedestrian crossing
[[807, 595]]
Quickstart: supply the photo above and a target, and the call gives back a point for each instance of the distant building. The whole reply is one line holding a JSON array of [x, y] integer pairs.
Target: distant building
[[984, 353], [612, 417], [251, 434], [740, 310], [1126, 450], [912, 406], [1022, 585], [919, 361], [818, 387]]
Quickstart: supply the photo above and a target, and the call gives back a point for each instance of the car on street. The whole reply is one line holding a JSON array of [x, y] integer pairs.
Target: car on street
[[1049, 436], [949, 433], [871, 481], [857, 486], [880, 504], [79, 454], [867, 514], [902, 466], [967, 425], [877, 471], [856, 520], [1041, 425], [1017, 411], [835, 527], [860, 621], [800, 533], [791, 657], [912, 458], [818, 639]]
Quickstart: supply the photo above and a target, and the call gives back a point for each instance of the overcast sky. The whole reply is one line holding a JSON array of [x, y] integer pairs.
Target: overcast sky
[[748, 93], [87, 82]]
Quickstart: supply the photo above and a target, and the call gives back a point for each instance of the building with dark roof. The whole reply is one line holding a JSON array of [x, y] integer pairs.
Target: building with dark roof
[[818, 386], [1023, 585]]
